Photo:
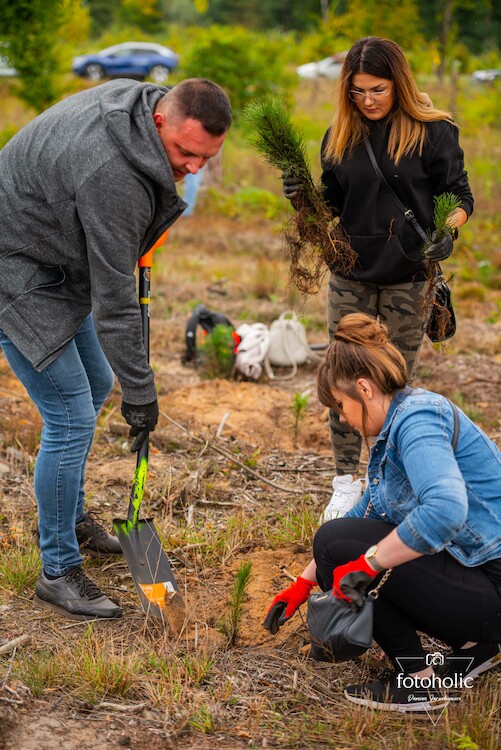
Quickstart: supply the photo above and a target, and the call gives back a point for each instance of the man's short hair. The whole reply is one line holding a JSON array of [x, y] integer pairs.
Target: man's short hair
[[199, 99]]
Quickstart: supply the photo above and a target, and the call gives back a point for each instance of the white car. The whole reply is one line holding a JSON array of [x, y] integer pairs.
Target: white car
[[329, 67], [486, 76]]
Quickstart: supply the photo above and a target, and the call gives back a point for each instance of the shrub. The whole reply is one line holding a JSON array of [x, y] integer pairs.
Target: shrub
[[244, 63], [217, 352]]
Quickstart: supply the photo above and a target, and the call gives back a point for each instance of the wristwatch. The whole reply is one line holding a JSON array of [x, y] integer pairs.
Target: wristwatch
[[370, 556]]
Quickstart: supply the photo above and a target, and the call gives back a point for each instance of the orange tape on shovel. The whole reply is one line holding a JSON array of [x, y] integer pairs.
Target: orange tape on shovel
[[146, 260]]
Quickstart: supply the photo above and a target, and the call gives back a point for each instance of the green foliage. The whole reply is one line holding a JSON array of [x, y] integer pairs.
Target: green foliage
[[244, 63], [443, 206], [262, 14], [102, 14], [464, 742], [231, 625], [378, 18], [217, 352], [6, 134], [145, 14], [244, 202], [34, 30], [480, 107]]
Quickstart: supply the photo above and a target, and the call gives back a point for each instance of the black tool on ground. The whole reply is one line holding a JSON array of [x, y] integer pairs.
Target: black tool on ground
[[208, 320], [149, 566]]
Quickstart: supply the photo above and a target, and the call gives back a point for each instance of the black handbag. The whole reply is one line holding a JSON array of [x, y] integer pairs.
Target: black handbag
[[337, 632], [442, 321]]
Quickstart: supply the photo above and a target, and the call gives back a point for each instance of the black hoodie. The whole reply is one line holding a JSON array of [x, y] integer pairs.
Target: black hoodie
[[389, 249]]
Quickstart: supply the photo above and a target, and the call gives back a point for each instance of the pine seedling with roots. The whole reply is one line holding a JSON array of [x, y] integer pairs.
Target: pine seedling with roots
[[443, 206], [313, 242]]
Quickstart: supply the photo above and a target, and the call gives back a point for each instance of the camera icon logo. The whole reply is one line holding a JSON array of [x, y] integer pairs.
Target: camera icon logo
[[434, 660]]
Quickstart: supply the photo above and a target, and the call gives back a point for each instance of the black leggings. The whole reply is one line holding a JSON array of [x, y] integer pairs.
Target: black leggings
[[434, 594]]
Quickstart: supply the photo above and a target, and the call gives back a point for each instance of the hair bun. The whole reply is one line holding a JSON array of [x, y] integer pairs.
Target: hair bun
[[362, 329]]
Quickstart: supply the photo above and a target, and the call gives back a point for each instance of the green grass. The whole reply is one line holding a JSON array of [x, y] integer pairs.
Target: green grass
[[19, 566]]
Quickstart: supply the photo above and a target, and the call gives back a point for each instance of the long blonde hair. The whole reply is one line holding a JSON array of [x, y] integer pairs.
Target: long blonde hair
[[412, 109]]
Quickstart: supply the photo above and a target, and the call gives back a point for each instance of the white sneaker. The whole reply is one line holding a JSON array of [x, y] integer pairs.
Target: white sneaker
[[347, 493]]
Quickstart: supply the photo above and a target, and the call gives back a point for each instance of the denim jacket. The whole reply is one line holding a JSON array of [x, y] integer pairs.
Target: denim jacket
[[438, 499]]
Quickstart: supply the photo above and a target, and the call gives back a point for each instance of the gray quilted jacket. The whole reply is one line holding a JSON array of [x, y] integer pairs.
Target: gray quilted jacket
[[85, 189]]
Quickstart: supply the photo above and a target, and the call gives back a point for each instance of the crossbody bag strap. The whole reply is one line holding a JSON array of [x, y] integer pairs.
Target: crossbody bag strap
[[407, 212], [455, 434]]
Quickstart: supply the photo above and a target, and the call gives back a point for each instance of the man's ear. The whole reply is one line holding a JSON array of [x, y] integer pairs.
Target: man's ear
[[158, 119]]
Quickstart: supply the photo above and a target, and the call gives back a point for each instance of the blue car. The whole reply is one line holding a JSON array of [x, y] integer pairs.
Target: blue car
[[128, 60]]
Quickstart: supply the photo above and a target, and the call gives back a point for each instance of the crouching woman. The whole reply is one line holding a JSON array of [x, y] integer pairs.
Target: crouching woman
[[431, 511]]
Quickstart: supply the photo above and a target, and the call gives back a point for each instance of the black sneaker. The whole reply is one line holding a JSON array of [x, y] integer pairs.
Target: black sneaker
[[472, 662], [93, 539], [396, 692], [75, 596]]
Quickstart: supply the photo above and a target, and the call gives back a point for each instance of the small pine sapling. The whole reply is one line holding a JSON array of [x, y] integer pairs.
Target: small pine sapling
[[298, 409], [230, 626]]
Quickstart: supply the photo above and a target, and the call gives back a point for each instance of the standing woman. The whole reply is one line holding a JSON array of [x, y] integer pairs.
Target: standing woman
[[417, 149]]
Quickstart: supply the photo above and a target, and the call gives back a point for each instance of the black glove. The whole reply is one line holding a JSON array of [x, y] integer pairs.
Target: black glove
[[292, 185], [142, 419], [441, 249], [275, 617]]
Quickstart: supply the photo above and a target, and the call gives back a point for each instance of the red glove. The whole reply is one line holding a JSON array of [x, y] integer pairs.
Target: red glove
[[351, 580], [289, 599]]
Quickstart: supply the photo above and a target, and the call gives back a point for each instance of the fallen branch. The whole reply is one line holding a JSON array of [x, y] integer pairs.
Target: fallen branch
[[481, 380], [207, 443], [14, 643], [124, 708]]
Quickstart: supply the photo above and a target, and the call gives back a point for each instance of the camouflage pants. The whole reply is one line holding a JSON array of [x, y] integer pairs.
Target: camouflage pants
[[402, 308]]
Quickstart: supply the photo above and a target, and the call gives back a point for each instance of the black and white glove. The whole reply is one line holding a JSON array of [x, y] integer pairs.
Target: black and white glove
[[142, 419], [441, 249]]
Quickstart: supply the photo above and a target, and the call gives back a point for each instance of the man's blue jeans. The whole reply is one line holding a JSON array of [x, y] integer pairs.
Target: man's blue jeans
[[69, 394]]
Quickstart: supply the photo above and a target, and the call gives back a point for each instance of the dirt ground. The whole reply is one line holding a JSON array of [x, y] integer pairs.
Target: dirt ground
[[189, 479]]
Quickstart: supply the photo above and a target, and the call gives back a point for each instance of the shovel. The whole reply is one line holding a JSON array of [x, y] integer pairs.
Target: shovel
[[149, 565]]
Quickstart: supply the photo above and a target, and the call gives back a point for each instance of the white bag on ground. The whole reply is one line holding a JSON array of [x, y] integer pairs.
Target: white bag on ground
[[288, 346], [252, 349], [288, 342]]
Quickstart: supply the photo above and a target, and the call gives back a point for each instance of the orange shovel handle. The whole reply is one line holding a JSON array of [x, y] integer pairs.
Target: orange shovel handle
[[146, 260]]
